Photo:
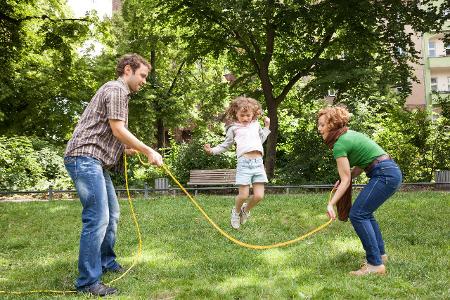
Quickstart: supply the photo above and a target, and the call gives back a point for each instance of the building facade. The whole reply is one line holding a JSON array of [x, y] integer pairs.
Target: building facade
[[433, 70]]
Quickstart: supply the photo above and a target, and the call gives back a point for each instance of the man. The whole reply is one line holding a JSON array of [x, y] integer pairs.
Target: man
[[95, 149]]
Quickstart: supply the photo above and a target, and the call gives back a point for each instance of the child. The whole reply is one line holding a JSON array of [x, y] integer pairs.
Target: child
[[248, 135]]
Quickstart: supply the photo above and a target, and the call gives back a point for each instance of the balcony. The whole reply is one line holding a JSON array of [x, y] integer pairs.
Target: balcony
[[435, 96], [439, 62]]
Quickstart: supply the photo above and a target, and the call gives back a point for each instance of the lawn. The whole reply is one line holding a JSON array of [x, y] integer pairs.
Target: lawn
[[184, 257]]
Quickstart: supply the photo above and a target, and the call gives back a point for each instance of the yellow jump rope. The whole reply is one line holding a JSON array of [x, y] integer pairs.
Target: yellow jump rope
[[138, 231]]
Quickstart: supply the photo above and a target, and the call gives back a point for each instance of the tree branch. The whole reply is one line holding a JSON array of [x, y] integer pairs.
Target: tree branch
[[244, 45], [216, 19], [174, 81], [42, 17], [325, 42]]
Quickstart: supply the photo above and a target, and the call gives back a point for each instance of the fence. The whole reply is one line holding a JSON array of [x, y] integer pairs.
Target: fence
[[166, 189]]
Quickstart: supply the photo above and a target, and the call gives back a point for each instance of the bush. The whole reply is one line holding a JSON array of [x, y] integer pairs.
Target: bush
[[29, 163], [139, 173], [302, 155], [19, 164], [189, 156]]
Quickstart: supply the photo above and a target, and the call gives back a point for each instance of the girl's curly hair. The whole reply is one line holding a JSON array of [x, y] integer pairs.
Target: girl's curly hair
[[336, 116], [242, 103]]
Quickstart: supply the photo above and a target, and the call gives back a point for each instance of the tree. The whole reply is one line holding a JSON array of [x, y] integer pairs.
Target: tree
[[40, 68], [178, 83], [282, 42]]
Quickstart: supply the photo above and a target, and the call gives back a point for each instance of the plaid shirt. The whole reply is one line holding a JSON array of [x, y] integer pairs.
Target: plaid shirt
[[93, 135]]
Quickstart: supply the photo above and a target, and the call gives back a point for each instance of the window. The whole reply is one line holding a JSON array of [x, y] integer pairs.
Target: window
[[431, 49], [447, 50], [434, 85]]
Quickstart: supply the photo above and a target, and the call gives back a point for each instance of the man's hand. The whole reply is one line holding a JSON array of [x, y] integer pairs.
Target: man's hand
[[266, 122], [208, 149], [154, 158]]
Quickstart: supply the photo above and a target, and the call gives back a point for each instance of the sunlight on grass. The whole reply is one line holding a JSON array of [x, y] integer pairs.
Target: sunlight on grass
[[3, 261], [237, 282], [278, 281], [58, 208], [344, 245], [292, 273], [275, 257], [46, 261], [162, 259]]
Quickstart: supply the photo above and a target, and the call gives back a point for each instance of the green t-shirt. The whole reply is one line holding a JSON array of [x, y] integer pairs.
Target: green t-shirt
[[358, 148]]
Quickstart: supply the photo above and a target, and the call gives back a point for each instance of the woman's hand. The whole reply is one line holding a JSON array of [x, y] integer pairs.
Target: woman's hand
[[207, 148], [330, 211]]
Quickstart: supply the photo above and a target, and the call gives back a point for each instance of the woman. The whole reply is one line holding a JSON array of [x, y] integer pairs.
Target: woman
[[354, 153]]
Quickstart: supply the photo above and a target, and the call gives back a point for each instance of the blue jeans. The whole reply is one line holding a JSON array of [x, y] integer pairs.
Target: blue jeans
[[385, 179], [100, 216]]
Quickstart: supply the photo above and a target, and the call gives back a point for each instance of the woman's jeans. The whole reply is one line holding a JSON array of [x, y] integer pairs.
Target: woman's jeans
[[100, 216], [385, 179]]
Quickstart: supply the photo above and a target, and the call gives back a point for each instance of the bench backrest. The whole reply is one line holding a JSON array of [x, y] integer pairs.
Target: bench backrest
[[212, 177]]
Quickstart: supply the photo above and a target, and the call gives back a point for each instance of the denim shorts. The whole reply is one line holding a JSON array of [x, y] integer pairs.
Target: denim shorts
[[250, 170]]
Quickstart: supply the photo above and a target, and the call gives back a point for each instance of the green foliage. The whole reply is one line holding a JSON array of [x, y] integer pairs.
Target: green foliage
[[343, 45], [439, 140], [19, 164], [348, 46], [418, 145], [44, 79], [302, 155], [28, 164]]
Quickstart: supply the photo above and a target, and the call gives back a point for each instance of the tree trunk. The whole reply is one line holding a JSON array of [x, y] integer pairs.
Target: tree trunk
[[160, 130], [161, 136], [271, 103], [271, 146]]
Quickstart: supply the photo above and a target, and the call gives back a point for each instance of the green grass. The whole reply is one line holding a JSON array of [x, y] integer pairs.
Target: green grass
[[184, 257]]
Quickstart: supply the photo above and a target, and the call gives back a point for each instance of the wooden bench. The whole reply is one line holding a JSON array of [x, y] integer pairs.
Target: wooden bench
[[212, 177]]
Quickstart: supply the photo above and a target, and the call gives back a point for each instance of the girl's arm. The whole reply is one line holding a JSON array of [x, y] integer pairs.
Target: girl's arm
[[264, 132], [224, 146], [343, 166]]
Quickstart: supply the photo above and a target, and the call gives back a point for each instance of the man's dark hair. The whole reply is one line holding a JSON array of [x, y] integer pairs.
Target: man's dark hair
[[133, 60]]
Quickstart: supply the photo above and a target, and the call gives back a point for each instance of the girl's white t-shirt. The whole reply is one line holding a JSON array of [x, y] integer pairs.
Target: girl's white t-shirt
[[248, 138]]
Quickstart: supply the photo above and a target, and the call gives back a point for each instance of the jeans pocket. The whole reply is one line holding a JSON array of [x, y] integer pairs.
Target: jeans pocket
[[391, 176], [70, 162]]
